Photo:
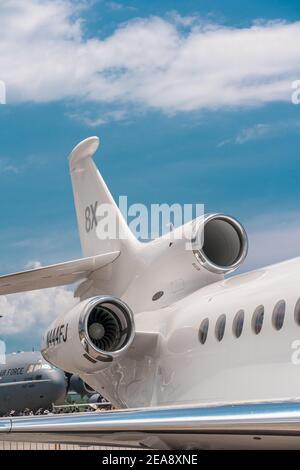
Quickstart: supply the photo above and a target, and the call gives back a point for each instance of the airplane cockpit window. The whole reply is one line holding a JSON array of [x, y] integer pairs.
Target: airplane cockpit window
[[258, 319], [46, 366], [203, 330], [220, 327], [34, 367], [238, 323], [278, 315], [297, 312]]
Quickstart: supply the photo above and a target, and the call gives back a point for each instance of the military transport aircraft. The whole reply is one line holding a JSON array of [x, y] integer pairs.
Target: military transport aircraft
[[190, 359], [28, 381]]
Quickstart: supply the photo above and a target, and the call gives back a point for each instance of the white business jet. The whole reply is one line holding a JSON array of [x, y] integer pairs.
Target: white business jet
[[188, 358]]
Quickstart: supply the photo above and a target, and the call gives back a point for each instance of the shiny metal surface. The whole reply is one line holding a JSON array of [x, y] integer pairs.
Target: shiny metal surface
[[206, 262], [85, 340], [5, 425], [259, 417]]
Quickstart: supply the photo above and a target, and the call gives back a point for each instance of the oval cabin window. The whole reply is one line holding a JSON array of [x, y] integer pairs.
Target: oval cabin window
[[220, 327], [297, 312], [203, 330], [258, 319], [238, 323], [278, 315]]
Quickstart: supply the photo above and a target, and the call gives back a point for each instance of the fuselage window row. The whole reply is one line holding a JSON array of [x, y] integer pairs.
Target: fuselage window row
[[278, 317]]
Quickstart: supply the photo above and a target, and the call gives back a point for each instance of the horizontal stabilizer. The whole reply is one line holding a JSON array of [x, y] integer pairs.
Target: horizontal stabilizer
[[55, 274]]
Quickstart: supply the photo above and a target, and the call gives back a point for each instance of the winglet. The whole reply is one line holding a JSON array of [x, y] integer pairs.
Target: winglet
[[83, 150]]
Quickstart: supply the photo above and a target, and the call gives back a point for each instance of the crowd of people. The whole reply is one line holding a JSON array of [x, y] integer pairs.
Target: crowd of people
[[59, 409]]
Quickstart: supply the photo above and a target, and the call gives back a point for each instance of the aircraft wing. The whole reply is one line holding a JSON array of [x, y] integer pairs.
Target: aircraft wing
[[54, 275], [239, 426]]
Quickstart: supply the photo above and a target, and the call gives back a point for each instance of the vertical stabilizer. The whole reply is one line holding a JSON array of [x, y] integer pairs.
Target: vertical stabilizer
[[91, 196]]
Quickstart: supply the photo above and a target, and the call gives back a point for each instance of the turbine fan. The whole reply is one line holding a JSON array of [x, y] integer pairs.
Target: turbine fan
[[104, 328]]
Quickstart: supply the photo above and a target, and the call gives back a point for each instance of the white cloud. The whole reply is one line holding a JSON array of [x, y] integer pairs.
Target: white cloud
[[115, 6], [159, 63], [7, 167], [263, 130], [253, 133], [91, 120], [30, 313]]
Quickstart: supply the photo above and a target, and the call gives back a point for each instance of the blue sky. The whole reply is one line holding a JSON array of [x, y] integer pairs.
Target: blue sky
[[176, 130]]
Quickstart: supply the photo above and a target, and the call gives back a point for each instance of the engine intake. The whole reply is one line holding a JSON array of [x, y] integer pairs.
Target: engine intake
[[221, 245], [106, 328]]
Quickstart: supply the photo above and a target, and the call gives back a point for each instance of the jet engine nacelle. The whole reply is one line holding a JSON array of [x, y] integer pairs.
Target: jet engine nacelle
[[90, 336], [188, 258], [220, 243]]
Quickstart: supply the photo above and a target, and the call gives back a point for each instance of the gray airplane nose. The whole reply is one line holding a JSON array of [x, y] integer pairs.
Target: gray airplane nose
[[58, 385]]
